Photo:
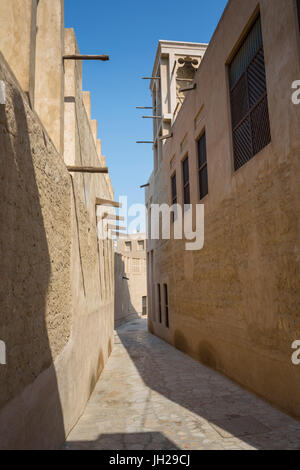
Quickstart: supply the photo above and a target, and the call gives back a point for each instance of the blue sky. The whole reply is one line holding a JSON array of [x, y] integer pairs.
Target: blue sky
[[129, 32]]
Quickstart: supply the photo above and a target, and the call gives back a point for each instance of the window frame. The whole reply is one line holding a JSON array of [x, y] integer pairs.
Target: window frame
[[187, 184], [251, 108], [204, 165], [141, 243], [174, 200], [144, 305], [128, 244], [135, 265]]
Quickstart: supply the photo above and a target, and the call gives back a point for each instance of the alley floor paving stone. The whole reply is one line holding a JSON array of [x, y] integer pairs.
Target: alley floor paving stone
[[152, 396]]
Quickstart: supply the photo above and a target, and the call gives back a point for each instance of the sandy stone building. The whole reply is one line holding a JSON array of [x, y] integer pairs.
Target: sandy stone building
[[57, 279], [234, 146], [130, 277]]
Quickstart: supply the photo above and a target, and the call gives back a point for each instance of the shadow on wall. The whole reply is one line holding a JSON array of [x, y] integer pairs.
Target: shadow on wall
[[124, 309], [120, 441], [25, 270], [206, 353]]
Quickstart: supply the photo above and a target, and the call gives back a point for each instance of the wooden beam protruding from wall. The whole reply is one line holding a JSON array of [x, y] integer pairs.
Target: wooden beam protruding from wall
[[107, 202], [110, 217], [115, 227], [88, 169]]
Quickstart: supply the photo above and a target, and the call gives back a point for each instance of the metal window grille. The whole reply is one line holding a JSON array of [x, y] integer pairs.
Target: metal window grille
[[202, 166], [248, 96], [186, 181]]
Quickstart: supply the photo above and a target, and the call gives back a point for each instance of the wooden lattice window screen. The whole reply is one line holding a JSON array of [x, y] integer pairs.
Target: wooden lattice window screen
[[248, 96]]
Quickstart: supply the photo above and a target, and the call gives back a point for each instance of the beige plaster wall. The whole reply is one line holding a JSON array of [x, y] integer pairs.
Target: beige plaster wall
[[234, 305], [56, 316], [17, 40], [49, 69]]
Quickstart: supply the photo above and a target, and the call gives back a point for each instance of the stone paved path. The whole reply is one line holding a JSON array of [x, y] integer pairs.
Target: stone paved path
[[151, 396]]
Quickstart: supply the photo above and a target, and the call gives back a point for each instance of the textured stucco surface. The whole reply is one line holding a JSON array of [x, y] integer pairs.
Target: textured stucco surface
[[17, 39], [56, 313], [234, 305], [49, 69], [35, 245]]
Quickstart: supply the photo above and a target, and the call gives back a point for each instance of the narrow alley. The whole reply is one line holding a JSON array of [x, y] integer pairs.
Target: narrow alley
[[152, 396], [149, 227]]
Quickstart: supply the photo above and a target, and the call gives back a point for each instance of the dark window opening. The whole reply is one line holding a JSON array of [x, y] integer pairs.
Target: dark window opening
[[298, 13], [174, 194], [141, 245], [174, 189], [128, 246], [144, 305], [159, 303], [166, 305], [186, 181], [248, 96], [202, 166]]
